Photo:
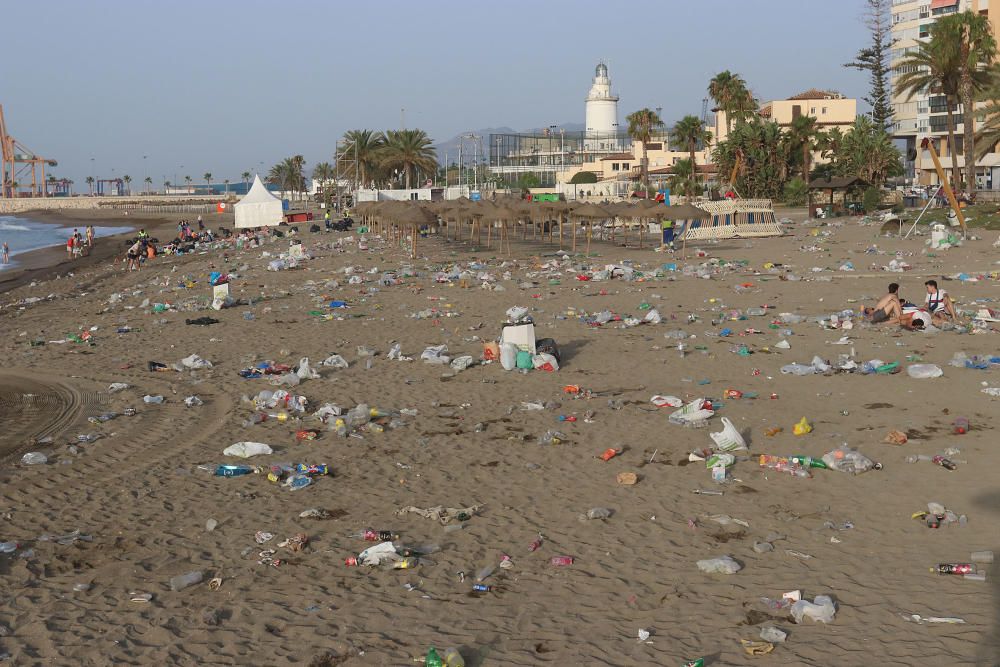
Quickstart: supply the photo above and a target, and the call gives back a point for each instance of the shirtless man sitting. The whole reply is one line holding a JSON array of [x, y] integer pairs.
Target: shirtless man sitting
[[888, 308]]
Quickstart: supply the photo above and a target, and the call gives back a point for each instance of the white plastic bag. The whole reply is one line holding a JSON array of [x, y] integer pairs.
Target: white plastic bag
[[245, 450], [305, 371], [721, 565], [820, 609], [508, 356], [195, 362], [728, 439], [336, 361], [923, 371], [436, 354]]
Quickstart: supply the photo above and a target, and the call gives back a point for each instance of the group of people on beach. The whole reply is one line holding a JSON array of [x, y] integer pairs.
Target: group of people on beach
[[937, 308], [78, 245]]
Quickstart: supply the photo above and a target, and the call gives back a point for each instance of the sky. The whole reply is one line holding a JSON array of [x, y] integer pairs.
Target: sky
[[231, 86]]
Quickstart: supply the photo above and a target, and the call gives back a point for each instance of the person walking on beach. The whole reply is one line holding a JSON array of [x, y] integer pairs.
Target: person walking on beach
[[90, 236], [5, 253], [69, 246]]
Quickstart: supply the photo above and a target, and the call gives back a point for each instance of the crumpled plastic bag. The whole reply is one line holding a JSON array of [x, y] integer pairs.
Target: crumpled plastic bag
[[691, 413], [821, 609], [462, 362], [305, 371], [436, 354], [245, 450], [195, 362], [336, 361], [545, 362]]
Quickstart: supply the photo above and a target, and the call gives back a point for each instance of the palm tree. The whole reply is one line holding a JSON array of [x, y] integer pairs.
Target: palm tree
[[976, 50], [298, 164], [867, 152], [680, 178], [324, 172], [802, 136], [149, 182], [731, 96], [208, 181], [934, 66], [187, 182], [245, 177], [128, 184], [364, 146], [166, 185], [640, 128], [90, 184], [690, 132], [411, 152]]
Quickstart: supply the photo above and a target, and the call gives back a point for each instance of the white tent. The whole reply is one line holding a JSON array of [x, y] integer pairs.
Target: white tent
[[259, 208]]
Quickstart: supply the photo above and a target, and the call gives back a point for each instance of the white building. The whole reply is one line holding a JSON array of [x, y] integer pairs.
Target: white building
[[602, 112]]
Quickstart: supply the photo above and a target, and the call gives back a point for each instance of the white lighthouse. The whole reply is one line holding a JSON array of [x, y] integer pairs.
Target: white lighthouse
[[602, 112]]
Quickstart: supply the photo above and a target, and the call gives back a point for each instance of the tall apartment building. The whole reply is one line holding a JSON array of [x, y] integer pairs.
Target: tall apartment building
[[925, 113]]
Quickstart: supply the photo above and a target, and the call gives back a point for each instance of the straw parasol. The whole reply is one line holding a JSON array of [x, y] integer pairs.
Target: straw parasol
[[589, 212]]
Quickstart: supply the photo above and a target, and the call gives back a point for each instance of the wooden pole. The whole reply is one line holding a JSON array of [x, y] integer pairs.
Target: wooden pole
[[590, 233], [489, 234], [642, 228], [575, 224]]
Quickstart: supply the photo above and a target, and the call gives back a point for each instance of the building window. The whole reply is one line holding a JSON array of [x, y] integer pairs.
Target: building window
[[924, 30], [624, 166], [824, 110], [614, 166]]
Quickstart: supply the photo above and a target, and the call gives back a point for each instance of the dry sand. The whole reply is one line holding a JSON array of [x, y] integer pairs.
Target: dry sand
[[139, 492]]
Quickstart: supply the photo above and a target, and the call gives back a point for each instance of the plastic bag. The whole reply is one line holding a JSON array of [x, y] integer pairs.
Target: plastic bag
[[508, 356], [436, 354], [728, 439], [245, 450], [336, 361], [305, 371], [721, 565], [845, 459], [923, 371], [691, 413], [821, 609], [196, 362], [545, 362]]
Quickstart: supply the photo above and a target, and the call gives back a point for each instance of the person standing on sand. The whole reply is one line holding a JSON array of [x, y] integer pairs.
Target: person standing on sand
[[69, 247], [90, 236], [5, 253]]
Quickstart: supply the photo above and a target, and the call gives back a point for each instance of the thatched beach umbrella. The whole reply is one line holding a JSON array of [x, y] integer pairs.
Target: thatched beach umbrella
[[588, 212]]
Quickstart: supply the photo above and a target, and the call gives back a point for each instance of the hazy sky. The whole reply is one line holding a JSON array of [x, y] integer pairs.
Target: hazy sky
[[223, 86]]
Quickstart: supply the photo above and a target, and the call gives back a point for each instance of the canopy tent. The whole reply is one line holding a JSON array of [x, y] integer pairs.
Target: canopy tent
[[259, 208]]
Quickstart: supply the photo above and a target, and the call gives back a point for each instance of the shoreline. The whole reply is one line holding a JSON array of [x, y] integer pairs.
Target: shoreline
[[45, 263]]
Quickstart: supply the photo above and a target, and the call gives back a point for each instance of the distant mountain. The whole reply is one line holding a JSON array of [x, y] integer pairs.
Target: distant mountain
[[450, 147]]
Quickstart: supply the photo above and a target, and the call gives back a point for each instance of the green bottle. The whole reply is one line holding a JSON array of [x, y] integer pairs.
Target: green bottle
[[808, 461], [433, 659]]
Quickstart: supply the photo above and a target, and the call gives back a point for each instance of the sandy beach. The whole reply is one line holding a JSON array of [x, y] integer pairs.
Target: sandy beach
[[140, 495]]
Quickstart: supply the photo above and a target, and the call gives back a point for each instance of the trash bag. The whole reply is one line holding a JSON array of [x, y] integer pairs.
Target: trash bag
[[508, 356], [548, 346], [545, 362], [336, 361], [195, 362]]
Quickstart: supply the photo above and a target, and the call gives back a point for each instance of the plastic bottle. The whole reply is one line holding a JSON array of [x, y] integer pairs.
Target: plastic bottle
[[182, 581], [597, 513], [8, 547], [808, 461], [783, 464], [233, 470], [452, 658], [536, 544], [960, 426], [153, 400], [484, 573], [915, 458], [947, 464], [954, 568], [34, 458]]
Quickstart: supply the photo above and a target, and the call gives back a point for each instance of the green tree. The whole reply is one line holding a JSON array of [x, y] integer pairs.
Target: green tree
[[934, 66], [765, 158], [802, 136], [874, 59], [90, 184], [287, 175], [867, 152], [128, 184], [583, 178], [976, 51], [796, 192], [245, 177], [149, 182], [731, 96], [689, 132], [208, 181], [187, 181], [528, 181], [365, 146], [324, 172], [409, 152], [641, 124], [680, 180]]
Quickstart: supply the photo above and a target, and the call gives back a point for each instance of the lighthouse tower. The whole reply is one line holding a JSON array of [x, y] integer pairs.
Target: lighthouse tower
[[602, 112]]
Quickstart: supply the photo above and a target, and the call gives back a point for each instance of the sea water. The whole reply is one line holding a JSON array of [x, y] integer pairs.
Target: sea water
[[23, 234]]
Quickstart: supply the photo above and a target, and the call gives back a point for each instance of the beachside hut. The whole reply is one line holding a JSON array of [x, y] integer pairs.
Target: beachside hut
[[846, 185], [259, 208]]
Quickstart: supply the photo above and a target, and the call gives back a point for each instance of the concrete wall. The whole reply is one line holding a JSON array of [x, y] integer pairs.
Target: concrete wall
[[20, 205]]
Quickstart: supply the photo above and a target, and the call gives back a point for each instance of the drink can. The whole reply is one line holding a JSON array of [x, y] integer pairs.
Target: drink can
[[482, 588], [351, 561], [560, 561], [755, 372], [305, 435], [774, 396], [733, 393]]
